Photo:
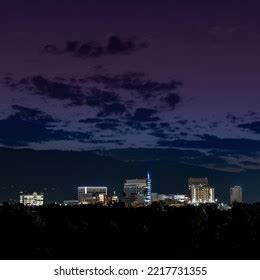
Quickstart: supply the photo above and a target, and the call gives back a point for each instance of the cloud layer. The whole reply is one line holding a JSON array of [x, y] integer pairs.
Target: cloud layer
[[114, 45], [27, 125]]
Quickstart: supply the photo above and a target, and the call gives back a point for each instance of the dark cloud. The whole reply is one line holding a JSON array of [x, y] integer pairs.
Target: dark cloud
[[213, 142], [114, 45], [112, 109], [164, 124], [251, 114], [183, 134], [97, 120], [99, 141], [253, 126], [137, 82], [144, 115], [142, 119], [182, 122], [30, 114], [102, 123], [39, 85], [152, 125], [75, 95], [232, 118], [103, 91], [28, 125], [107, 126], [214, 124], [158, 125], [250, 163], [106, 94], [136, 125], [57, 90], [71, 46], [172, 99], [159, 134], [98, 97]]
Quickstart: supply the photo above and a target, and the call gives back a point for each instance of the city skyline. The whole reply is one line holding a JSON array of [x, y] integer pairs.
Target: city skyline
[[138, 192], [168, 86]]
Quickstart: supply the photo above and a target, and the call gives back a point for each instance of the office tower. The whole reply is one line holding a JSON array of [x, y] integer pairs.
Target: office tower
[[202, 195], [235, 194], [135, 192], [154, 197], [203, 182], [200, 192], [148, 198], [92, 194], [33, 199]]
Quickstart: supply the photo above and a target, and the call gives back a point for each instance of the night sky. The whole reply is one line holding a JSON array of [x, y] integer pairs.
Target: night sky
[[84, 75]]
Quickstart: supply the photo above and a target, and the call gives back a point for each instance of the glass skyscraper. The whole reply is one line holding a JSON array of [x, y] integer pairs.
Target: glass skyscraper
[[148, 198]]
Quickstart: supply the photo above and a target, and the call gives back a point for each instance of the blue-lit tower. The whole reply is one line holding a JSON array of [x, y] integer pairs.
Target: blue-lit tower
[[148, 199]]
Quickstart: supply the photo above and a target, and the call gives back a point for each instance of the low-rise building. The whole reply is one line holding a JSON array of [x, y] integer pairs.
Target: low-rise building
[[92, 194], [33, 199]]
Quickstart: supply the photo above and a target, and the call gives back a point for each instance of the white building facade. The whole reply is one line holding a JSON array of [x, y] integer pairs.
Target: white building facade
[[200, 192], [33, 199]]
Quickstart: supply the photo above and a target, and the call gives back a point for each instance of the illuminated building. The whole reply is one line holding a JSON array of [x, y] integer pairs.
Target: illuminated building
[[70, 202], [138, 191], [33, 199], [202, 195], [235, 194], [180, 198], [173, 199], [200, 192], [163, 197], [148, 198], [135, 192], [112, 199], [92, 195]]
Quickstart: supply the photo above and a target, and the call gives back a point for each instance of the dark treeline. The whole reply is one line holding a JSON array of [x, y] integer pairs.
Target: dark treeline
[[96, 232]]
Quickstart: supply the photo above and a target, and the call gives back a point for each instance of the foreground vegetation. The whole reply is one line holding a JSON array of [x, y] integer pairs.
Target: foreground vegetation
[[96, 232]]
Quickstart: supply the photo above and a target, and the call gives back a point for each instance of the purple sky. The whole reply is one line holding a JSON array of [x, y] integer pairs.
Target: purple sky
[[124, 56]]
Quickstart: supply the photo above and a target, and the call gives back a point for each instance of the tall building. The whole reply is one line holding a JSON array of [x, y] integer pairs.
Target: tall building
[[135, 191], [33, 199], [200, 192], [148, 199], [202, 195], [92, 194], [235, 194], [203, 182]]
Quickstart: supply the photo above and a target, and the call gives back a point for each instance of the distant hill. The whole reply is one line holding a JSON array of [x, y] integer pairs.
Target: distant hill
[[58, 173]]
